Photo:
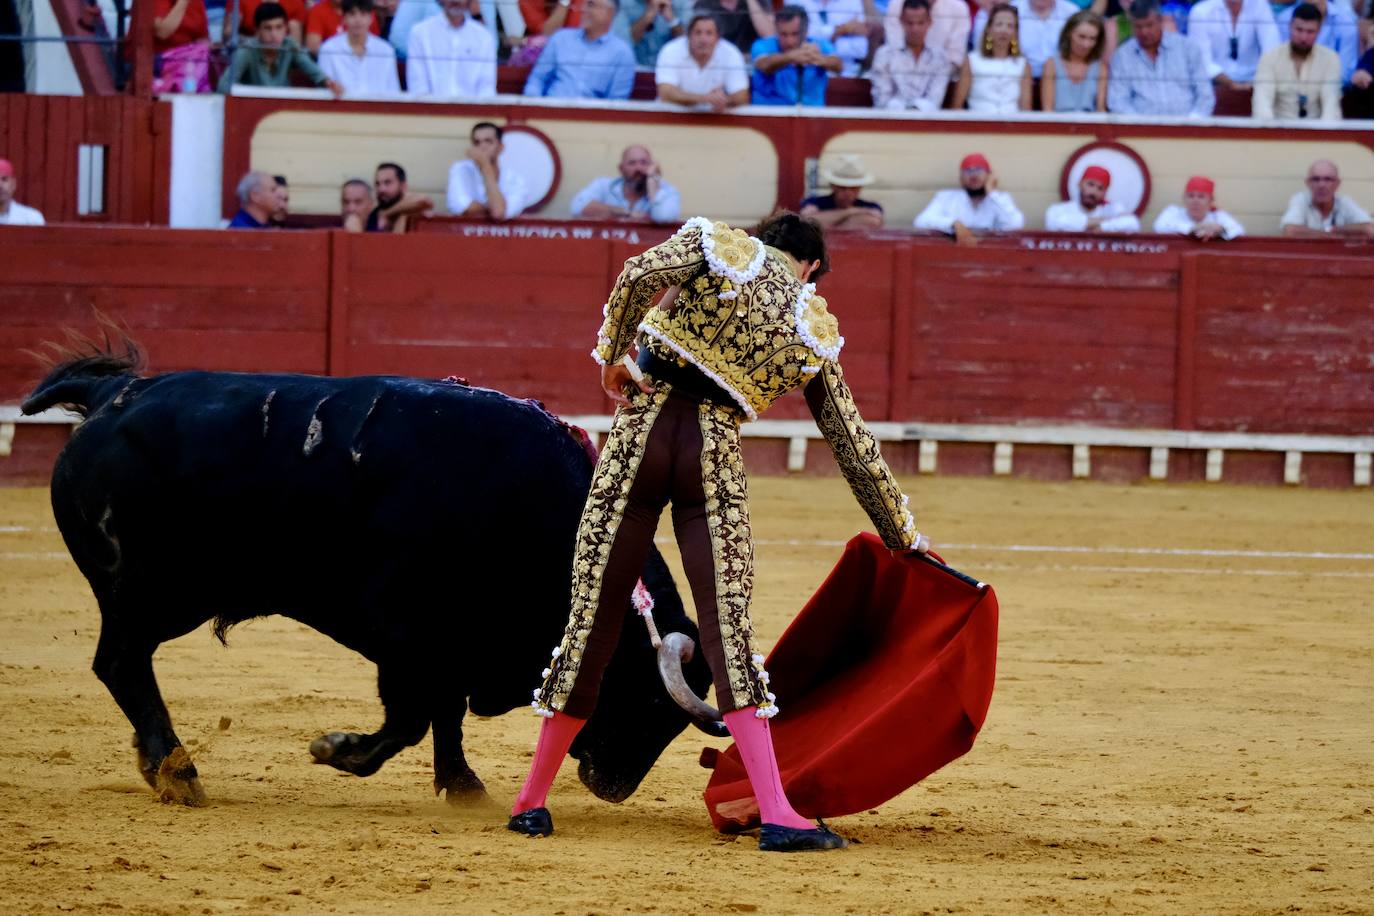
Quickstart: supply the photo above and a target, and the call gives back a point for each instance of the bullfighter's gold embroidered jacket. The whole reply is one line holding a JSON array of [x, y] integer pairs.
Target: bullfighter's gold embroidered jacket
[[746, 321]]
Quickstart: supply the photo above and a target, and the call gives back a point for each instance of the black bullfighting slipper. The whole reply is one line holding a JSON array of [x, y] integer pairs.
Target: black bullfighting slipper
[[775, 838], [534, 822]]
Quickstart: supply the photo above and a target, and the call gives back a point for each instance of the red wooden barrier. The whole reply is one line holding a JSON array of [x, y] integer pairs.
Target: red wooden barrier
[[1213, 339], [40, 134], [205, 300]]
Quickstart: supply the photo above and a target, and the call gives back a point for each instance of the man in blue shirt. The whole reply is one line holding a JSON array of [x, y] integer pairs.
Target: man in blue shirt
[[259, 196], [586, 63], [1340, 32], [789, 68]]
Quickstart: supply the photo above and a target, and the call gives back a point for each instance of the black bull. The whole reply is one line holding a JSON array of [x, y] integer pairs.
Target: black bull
[[427, 526]]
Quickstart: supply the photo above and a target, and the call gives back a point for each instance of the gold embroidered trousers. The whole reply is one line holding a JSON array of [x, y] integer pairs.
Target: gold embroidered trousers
[[665, 448]]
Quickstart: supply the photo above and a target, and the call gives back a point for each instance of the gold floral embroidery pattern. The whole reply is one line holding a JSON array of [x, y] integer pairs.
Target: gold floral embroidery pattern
[[732, 548], [611, 481], [645, 276], [856, 452], [750, 345]]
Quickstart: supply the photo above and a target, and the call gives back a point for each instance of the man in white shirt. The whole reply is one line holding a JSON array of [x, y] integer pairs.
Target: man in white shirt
[[478, 186], [357, 60], [1299, 78], [1199, 216], [1233, 34], [975, 205], [1091, 212], [13, 213], [451, 55], [701, 71], [640, 194], [1320, 211], [842, 23], [949, 30], [1041, 21]]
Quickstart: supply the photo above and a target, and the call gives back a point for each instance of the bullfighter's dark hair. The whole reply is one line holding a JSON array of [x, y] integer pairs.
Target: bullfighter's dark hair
[[472, 134], [267, 12], [400, 172], [799, 236]]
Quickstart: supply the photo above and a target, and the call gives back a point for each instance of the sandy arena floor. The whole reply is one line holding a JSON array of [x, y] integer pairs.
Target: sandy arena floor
[[1182, 724]]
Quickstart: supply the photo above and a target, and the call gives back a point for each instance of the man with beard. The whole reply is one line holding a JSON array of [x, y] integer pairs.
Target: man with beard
[[283, 205], [639, 194], [1299, 78], [1091, 212], [395, 203], [975, 205]]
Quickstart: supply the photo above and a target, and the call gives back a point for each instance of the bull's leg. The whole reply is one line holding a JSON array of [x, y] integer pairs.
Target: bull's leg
[[125, 667], [407, 720], [451, 771]]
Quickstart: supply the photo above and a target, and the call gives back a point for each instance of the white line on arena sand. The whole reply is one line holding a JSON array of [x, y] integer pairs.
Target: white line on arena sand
[[1140, 551]]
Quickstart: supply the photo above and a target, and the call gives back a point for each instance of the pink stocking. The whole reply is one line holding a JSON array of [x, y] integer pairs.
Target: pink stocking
[[555, 737], [755, 744]]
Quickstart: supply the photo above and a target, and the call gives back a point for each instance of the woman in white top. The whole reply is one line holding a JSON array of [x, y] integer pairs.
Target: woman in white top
[[996, 79]]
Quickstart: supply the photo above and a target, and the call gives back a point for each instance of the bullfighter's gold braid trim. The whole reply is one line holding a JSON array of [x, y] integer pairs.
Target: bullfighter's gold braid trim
[[611, 481], [856, 452], [732, 548]]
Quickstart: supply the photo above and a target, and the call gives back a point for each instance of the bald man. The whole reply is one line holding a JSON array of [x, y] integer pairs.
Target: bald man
[[1320, 211], [639, 194]]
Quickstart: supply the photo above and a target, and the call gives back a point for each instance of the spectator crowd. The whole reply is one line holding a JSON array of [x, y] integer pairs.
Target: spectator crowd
[[1304, 59]]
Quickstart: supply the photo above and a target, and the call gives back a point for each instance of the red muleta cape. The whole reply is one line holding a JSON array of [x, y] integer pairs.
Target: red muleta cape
[[884, 677]]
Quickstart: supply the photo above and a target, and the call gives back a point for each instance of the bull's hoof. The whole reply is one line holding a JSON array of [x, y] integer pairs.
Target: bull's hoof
[[464, 792], [177, 781], [345, 751]]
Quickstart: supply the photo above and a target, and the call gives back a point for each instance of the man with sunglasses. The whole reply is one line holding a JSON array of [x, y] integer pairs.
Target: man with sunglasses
[[1234, 34], [1299, 78], [1320, 211]]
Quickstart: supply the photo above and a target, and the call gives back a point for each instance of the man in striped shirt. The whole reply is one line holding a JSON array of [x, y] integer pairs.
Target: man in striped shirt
[[1158, 73]]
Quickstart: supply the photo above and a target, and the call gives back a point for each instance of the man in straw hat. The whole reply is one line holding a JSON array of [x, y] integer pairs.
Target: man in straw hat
[[842, 208], [975, 205], [1198, 216]]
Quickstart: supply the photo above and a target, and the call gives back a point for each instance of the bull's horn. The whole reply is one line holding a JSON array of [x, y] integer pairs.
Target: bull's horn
[[676, 649]]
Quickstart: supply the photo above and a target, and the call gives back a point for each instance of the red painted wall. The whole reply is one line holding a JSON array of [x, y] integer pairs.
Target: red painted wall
[[1241, 338]]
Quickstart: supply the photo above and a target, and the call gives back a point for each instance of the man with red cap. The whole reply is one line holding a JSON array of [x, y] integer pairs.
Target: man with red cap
[[1198, 216], [1091, 212], [13, 213], [975, 205]]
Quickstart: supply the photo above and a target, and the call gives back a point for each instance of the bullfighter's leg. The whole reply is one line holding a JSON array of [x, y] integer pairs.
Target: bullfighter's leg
[[124, 665], [711, 520], [407, 720], [628, 493], [451, 771]]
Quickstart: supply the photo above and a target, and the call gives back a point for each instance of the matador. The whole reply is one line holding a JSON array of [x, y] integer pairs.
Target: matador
[[744, 328]]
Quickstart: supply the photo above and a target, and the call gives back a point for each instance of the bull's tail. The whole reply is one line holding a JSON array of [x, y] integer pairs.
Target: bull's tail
[[81, 369]]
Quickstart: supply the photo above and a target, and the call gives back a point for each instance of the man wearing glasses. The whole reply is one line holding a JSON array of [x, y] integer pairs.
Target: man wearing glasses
[[1299, 78], [1234, 33], [1320, 211]]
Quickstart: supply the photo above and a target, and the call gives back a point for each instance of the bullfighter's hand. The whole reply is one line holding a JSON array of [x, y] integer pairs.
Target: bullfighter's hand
[[615, 378], [921, 546]]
